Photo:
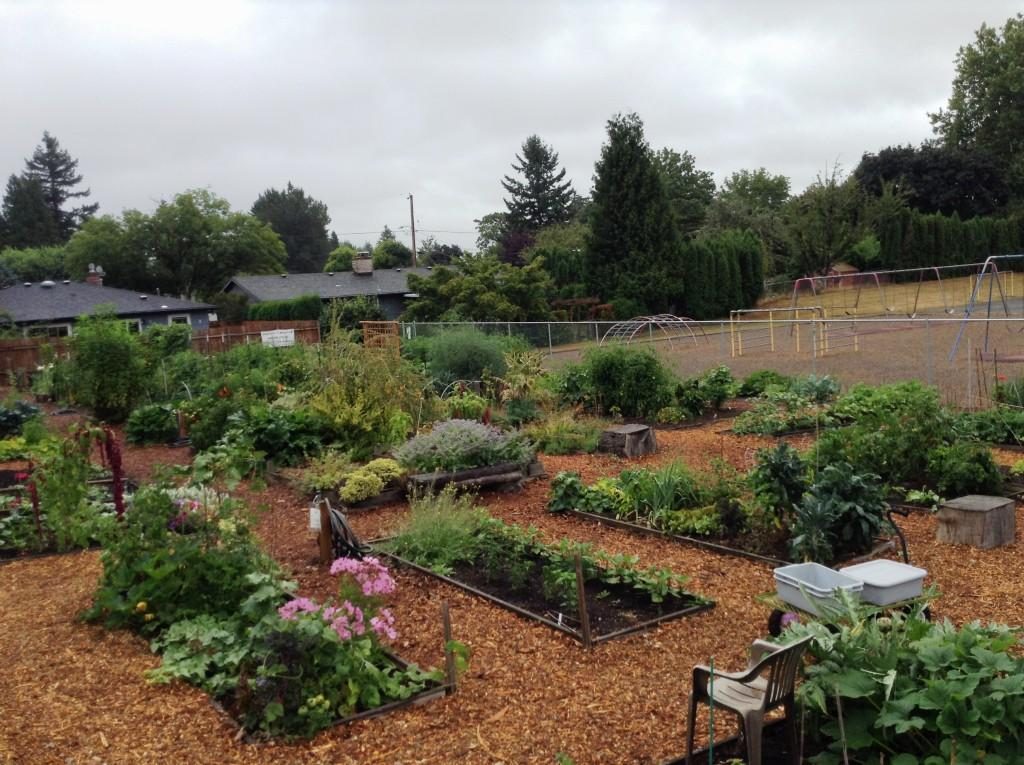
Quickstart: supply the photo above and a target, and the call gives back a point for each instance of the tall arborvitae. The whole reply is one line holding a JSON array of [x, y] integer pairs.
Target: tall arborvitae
[[57, 173], [543, 197], [634, 247]]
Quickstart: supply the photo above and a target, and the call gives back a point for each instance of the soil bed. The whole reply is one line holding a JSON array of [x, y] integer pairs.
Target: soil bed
[[612, 610]]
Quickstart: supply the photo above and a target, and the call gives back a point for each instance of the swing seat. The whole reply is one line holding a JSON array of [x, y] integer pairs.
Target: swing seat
[[768, 683]]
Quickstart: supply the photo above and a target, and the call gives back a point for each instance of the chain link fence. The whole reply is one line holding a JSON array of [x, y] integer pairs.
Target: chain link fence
[[868, 350]]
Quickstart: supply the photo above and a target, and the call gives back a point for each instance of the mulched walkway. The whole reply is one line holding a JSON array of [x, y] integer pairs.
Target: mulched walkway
[[74, 693]]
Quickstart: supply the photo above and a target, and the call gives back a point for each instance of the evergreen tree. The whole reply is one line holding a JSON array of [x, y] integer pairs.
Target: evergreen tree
[[301, 222], [25, 218], [543, 197], [634, 246], [57, 173]]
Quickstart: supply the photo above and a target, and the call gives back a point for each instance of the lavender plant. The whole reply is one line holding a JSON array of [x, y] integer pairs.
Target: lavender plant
[[462, 444]]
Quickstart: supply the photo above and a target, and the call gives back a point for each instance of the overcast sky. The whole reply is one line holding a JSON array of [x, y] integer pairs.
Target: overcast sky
[[362, 103]]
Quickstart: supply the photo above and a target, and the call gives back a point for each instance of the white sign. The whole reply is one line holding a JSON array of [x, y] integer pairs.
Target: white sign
[[278, 338]]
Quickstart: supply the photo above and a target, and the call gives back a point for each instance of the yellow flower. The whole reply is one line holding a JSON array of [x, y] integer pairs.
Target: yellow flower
[[141, 606], [149, 617]]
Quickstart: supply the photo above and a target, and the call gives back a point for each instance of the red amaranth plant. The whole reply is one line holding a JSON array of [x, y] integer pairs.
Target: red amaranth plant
[[111, 452]]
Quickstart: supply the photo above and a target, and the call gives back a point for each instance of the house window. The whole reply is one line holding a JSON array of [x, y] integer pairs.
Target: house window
[[179, 318], [50, 330], [134, 325]]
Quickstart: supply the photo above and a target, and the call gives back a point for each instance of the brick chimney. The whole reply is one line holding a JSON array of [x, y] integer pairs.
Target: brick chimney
[[362, 264], [95, 275]]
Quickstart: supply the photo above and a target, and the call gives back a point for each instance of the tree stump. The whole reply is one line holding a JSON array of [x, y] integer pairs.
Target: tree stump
[[978, 521], [628, 441]]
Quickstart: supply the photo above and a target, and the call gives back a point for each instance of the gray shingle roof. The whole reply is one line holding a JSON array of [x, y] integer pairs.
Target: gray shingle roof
[[342, 284], [69, 301]]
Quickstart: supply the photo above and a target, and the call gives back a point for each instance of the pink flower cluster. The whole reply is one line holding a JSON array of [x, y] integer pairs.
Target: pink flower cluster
[[369, 572], [347, 620], [384, 624], [294, 607]]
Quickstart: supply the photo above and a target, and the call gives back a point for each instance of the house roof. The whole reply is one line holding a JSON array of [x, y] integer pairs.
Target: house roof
[[340, 284], [69, 300]]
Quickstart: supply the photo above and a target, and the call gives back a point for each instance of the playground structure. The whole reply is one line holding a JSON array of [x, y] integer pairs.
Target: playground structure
[[667, 327], [907, 292], [995, 278], [757, 330]]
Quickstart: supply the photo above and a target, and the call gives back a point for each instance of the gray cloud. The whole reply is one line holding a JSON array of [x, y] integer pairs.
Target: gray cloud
[[363, 103]]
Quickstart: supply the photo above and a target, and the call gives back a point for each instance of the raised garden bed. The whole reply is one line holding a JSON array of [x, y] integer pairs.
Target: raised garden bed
[[697, 541], [432, 693], [507, 476], [393, 492], [613, 611], [881, 547]]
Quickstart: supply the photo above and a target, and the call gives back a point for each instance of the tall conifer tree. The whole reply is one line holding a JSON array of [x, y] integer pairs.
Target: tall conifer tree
[[634, 248]]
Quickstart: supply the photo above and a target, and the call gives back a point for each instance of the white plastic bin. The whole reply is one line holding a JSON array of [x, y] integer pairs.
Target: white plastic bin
[[802, 585], [887, 581]]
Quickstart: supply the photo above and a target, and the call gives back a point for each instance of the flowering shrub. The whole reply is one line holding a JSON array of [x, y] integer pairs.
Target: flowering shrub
[[462, 444], [280, 670]]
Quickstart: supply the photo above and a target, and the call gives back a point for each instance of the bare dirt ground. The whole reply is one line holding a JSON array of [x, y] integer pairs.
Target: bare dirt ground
[[75, 694]]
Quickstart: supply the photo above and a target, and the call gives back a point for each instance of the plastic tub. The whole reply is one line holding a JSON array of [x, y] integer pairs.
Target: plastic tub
[[803, 585], [887, 581]]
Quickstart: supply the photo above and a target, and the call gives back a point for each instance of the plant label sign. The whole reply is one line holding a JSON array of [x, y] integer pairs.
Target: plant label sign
[[278, 338]]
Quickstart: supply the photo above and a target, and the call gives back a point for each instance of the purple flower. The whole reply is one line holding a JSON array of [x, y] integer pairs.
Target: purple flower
[[384, 624]]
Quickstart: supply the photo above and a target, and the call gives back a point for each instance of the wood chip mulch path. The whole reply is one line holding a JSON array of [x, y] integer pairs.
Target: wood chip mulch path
[[72, 694]]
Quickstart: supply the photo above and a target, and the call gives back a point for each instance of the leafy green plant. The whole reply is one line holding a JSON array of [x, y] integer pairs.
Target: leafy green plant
[[461, 444], [564, 434], [628, 381], [287, 436], [151, 424], [463, 354], [963, 468], [778, 412], [14, 416], [840, 514], [921, 692], [818, 390], [327, 470], [567, 490], [654, 493], [440, 531], [779, 478], [154, 576], [360, 485], [760, 381], [464, 404], [107, 370]]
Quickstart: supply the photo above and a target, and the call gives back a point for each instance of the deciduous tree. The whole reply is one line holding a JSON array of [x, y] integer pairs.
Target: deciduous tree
[[986, 108]]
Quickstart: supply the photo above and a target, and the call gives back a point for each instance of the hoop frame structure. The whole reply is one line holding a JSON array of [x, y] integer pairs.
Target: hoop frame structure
[[664, 323]]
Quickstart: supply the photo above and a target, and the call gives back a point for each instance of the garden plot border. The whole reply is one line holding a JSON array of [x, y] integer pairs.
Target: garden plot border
[[563, 628], [419, 699], [879, 548], [713, 546]]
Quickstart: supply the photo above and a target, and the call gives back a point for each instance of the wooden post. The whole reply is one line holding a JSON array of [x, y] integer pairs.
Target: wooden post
[[325, 534], [771, 331], [798, 335], [732, 333], [581, 596], [449, 658]]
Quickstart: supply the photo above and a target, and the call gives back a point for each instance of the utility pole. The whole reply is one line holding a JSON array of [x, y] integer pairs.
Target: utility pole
[[412, 223]]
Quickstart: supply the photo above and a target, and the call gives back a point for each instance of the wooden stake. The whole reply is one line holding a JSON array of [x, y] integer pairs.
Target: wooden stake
[[325, 534], [449, 658], [842, 729], [581, 597]]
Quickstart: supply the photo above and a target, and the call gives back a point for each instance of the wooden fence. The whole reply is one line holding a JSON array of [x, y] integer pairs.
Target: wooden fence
[[23, 355], [220, 337]]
